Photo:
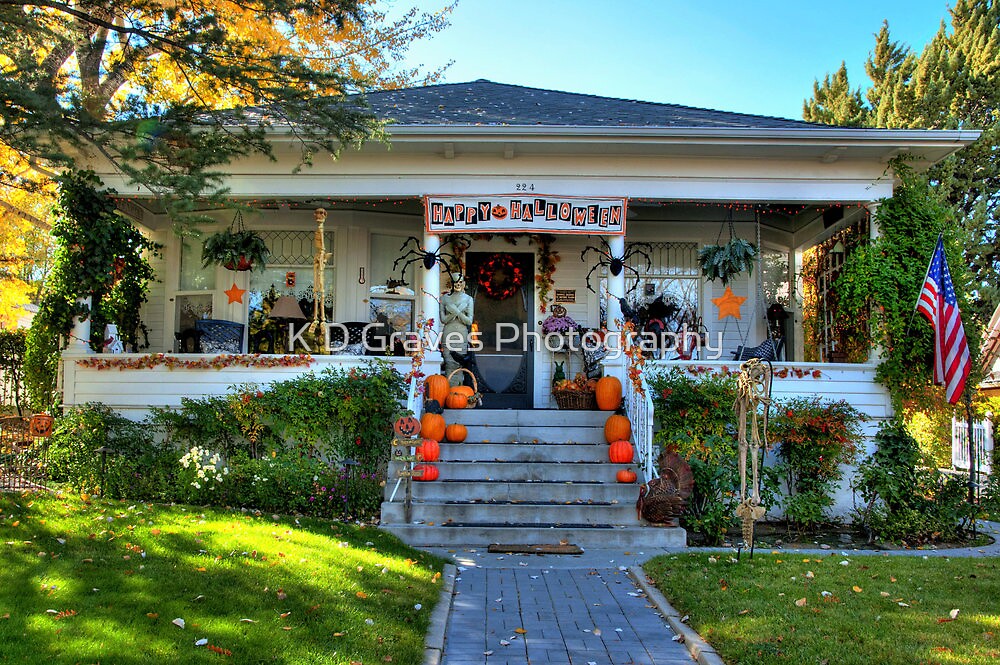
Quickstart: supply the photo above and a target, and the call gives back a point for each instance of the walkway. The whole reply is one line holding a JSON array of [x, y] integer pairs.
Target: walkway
[[579, 610]]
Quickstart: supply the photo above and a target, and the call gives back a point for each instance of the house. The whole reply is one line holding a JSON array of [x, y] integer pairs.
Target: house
[[525, 175]]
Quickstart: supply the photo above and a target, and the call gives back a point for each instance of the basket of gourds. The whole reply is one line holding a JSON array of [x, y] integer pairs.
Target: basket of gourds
[[576, 394]]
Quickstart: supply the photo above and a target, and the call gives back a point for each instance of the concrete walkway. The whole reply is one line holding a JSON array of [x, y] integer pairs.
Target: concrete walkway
[[581, 610]]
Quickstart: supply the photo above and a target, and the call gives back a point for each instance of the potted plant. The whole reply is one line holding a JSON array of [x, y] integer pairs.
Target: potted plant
[[726, 261], [235, 248]]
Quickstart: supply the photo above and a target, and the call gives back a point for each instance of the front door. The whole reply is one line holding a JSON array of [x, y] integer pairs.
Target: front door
[[502, 284]]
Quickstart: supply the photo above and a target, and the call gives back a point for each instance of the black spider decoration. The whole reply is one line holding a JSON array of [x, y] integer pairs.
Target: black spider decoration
[[615, 264], [418, 253]]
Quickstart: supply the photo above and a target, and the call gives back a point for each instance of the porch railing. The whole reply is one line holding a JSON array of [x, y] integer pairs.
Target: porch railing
[[982, 436], [639, 407]]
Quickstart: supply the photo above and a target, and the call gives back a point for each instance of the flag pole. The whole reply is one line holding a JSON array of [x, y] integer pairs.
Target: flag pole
[[927, 272], [973, 462]]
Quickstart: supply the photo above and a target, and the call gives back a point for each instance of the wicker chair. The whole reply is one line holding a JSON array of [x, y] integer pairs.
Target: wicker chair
[[220, 336]]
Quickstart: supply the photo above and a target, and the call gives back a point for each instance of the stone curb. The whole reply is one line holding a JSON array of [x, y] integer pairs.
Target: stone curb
[[434, 641], [696, 645]]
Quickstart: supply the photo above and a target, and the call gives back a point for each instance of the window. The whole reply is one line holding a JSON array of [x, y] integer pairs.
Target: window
[[674, 275], [391, 294]]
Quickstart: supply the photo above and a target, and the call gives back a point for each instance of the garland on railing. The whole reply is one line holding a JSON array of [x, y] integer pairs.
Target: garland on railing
[[218, 362], [783, 373], [424, 329], [634, 352]]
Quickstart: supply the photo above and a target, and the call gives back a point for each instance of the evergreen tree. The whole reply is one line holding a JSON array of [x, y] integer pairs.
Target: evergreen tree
[[834, 103]]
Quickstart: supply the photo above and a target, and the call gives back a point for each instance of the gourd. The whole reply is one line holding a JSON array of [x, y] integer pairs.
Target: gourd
[[429, 450], [430, 472], [617, 428], [608, 393], [456, 433], [436, 387], [626, 476], [621, 452], [432, 426]]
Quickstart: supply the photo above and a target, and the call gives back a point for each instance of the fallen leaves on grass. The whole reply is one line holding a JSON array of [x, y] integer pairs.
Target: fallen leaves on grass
[[801, 602]]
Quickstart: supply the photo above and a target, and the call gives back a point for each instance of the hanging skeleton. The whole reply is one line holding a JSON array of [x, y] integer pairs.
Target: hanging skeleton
[[753, 389], [320, 257]]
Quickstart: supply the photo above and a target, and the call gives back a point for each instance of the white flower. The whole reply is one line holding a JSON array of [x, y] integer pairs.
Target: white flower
[[196, 485]]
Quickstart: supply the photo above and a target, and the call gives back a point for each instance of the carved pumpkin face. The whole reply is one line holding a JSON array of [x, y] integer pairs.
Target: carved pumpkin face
[[41, 424], [499, 211], [407, 427]]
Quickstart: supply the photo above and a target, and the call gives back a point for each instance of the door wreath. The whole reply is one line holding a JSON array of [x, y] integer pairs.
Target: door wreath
[[500, 277]]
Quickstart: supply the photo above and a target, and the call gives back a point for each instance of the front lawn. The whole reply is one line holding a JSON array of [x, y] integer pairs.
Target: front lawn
[[104, 581], [841, 610]]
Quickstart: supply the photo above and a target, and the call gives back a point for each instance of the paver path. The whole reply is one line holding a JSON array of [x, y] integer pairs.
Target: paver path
[[575, 615]]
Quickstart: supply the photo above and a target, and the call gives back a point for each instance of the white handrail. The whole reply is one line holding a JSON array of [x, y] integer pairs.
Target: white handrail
[[639, 407], [983, 437]]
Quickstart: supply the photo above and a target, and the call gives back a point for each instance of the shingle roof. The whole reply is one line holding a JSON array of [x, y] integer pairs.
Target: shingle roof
[[484, 102]]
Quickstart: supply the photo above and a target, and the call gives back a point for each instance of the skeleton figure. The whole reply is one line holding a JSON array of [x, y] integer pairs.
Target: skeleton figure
[[320, 257], [753, 389]]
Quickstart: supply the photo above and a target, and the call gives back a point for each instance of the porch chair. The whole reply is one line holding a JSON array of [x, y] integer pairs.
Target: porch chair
[[219, 336], [769, 349]]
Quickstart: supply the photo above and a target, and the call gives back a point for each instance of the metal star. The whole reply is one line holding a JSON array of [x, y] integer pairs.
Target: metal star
[[729, 304], [235, 294]]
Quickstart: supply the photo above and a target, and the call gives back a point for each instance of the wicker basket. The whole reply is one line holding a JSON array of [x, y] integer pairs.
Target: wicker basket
[[574, 400], [477, 397]]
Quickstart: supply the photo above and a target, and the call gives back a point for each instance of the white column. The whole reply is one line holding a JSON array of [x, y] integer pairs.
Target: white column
[[616, 283], [430, 283], [80, 342], [874, 232]]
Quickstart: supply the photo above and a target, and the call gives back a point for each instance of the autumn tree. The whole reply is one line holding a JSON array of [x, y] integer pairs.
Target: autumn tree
[[953, 83]]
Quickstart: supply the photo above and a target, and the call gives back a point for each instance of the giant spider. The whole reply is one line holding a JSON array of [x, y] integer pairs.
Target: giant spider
[[418, 253], [615, 264]]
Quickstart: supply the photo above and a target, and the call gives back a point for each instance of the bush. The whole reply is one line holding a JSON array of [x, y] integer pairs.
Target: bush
[[814, 439], [695, 417], [904, 500]]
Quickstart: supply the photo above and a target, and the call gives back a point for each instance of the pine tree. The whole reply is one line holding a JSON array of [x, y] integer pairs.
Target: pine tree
[[834, 103]]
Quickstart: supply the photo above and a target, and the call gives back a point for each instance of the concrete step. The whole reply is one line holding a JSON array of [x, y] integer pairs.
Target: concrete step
[[481, 490], [546, 418], [615, 537], [534, 434], [591, 472], [524, 452], [512, 513]]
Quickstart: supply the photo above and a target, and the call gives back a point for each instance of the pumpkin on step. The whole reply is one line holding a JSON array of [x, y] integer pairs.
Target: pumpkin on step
[[436, 387], [626, 476], [456, 433], [621, 452], [425, 472], [608, 393], [617, 428], [429, 450], [460, 397], [432, 426]]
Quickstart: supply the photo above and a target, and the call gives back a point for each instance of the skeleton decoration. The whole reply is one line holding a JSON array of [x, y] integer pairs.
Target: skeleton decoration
[[753, 390], [320, 257]]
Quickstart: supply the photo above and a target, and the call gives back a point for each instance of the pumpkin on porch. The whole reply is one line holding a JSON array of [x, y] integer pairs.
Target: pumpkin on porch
[[608, 393], [432, 426], [617, 428], [425, 472], [436, 387], [429, 450], [621, 452], [626, 476], [460, 397], [456, 433], [406, 427]]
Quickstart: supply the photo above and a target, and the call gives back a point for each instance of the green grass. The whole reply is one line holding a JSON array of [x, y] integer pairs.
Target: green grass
[[880, 609], [115, 575]]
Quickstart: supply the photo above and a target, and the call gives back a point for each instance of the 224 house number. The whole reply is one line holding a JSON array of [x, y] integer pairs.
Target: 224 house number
[[524, 187]]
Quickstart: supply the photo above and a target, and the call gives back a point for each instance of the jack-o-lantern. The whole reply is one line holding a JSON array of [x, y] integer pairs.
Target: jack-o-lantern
[[498, 211], [41, 424], [406, 427]]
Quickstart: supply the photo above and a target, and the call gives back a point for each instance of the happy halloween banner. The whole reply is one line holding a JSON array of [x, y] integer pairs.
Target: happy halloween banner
[[531, 214]]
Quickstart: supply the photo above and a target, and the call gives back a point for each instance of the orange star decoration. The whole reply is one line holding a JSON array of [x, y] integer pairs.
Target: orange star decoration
[[729, 304], [235, 293]]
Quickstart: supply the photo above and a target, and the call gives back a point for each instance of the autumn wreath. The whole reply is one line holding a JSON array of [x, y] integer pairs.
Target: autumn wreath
[[500, 277]]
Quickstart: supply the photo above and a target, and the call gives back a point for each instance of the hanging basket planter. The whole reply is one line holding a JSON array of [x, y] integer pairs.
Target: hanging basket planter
[[723, 262], [236, 248]]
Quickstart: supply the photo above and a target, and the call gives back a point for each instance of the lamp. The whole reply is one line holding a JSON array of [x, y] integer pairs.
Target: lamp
[[286, 310]]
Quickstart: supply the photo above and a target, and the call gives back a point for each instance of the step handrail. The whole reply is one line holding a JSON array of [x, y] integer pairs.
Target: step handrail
[[638, 403]]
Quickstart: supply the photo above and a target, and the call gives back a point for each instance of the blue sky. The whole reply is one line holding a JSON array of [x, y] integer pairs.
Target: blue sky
[[752, 56]]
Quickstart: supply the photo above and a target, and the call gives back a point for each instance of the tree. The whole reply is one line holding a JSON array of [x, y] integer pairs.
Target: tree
[[140, 83], [953, 83]]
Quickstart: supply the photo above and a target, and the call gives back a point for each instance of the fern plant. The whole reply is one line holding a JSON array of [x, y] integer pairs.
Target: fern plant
[[724, 262]]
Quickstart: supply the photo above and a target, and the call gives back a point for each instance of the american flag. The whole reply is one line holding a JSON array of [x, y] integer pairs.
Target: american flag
[[951, 349]]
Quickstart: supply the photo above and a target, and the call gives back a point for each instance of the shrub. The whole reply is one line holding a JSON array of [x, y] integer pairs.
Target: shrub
[[814, 439]]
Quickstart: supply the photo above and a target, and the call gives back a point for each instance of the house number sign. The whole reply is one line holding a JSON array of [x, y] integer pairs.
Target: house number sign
[[525, 212]]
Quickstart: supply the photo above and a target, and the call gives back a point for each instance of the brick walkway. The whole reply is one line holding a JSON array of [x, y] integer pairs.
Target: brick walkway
[[575, 616]]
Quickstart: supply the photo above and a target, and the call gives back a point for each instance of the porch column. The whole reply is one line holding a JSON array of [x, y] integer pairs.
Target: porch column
[[430, 284], [874, 232], [616, 283], [80, 342]]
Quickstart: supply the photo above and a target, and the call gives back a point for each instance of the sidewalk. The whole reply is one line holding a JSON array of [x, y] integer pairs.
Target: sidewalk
[[584, 609]]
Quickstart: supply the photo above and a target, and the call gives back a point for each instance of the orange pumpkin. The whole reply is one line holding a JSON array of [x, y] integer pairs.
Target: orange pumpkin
[[425, 472], [429, 450], [621, 452], [436, 387], [617, 428], [41, 424], [626, 476], [407, 427], [499, 211], [459, 398], [608, 393], [432, 426], [456, 433]]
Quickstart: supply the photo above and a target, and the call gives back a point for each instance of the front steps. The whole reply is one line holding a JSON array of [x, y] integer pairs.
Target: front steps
[[527, 477]]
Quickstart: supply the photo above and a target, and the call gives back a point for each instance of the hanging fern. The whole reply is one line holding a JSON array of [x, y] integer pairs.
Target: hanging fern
[[724, 262]]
